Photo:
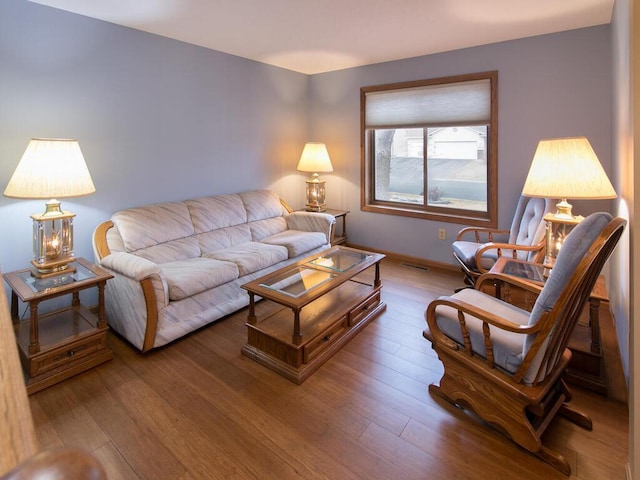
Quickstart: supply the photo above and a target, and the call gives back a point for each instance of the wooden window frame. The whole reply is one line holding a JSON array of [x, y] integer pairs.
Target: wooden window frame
[[443, 214]]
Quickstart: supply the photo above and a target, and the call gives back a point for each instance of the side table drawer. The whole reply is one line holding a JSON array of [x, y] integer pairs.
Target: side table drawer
[[332, 334], [50, 360], [361, 311]]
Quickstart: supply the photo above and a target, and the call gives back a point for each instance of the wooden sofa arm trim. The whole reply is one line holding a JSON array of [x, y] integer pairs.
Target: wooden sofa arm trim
[[100, 238], [286, 206], [152, 314]]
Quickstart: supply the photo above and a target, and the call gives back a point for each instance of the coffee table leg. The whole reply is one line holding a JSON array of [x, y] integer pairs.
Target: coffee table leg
[[297, 335], [252, 310], [376, 283]]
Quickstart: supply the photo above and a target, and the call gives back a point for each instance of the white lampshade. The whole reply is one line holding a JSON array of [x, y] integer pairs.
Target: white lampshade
[[567, 168], [51, 168], [315, 158]]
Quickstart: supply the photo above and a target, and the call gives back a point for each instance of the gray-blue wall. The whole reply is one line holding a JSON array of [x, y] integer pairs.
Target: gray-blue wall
[[156, 119], [548, 86], [161, 120]]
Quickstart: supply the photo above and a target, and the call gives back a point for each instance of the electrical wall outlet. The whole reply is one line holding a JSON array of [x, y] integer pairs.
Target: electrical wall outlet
[[442, 234]]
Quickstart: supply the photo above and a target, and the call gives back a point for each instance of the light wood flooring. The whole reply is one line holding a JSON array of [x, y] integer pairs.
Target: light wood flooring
[[198, 409]]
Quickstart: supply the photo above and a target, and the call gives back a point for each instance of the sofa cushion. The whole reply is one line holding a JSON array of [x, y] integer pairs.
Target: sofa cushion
[[262, 204], [261, 229], [297, 242], [215, 212], [189, 277], [224, 238], [251, 256], [181, 249], [148, 226]]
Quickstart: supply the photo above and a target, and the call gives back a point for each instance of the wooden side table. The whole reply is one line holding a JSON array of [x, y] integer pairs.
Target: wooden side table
[[338, 237], [587, 361], [64, 342]]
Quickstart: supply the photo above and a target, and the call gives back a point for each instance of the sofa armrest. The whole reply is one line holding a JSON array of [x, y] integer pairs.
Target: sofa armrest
[[131, 266], [140, 270], [311, 222]]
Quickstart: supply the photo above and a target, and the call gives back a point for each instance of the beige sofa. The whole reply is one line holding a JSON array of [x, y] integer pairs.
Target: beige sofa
[[178, 266]]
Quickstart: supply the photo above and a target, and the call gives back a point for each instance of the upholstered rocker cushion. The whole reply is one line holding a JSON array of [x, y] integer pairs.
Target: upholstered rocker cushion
[[507, 346], [189, 277], [573, 250], [251, 256], [466, 251]]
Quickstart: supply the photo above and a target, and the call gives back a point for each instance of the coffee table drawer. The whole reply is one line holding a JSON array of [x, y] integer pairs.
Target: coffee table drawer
[[362, 310], [332, 334]]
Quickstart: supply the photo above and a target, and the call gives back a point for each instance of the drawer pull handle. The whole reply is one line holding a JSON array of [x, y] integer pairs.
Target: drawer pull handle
[[71, 353], [326, 338]]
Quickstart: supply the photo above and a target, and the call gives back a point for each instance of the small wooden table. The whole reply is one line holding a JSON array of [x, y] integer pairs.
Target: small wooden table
[[66, 341], [320, 307]]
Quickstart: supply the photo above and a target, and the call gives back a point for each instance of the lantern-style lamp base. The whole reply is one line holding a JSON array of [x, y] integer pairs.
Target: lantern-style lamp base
[[315, 194], [52, 241]]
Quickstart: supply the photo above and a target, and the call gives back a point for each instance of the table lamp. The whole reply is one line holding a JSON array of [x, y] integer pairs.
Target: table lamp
[[565, 168], [315, 158], [51, 168]]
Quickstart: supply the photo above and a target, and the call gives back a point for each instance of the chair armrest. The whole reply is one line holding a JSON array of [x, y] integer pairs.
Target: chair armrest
[[469, 309], [480, 234], [311, 222], [71, 463], [489, 320], [500, 247], [493, 278]]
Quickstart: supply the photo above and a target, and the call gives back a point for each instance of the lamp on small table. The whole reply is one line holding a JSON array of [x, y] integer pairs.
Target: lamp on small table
[[315, 158], [51, 169], [565, 168]]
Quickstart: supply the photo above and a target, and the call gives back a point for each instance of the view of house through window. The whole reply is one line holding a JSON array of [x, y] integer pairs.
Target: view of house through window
[[430, 149], [452, 161]]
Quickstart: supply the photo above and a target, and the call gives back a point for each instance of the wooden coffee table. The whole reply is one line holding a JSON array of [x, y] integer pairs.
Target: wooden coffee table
[[323, 302]]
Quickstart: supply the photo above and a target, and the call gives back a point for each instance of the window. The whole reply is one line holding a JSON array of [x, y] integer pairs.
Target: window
[[430, 149]]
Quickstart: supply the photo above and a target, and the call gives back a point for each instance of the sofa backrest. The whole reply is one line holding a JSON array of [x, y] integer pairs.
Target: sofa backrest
[[265, 213], [219, 221], [172, 231], [160, 233]]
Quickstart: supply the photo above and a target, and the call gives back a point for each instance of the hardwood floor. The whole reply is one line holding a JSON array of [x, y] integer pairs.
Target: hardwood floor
[[198, 409]]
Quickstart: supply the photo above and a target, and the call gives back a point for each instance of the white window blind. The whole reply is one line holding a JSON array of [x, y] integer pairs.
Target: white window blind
[[457, 103]]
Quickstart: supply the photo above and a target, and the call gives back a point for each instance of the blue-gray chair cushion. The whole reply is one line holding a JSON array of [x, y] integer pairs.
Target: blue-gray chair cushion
[[573, 251], [507, 346]]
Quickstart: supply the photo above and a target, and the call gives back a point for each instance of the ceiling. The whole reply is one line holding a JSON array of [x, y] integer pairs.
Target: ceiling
[[315, 36]]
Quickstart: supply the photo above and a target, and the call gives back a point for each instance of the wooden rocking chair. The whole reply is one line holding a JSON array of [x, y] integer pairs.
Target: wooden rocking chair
[[505, 363], [477, 248]]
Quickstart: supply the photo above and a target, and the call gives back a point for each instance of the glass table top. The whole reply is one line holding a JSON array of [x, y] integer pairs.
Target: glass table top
[[340, 260], [38, 285], [300, 280]]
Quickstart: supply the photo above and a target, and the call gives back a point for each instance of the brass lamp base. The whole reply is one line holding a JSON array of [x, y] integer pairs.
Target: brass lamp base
[[315, 195], [52, 268]]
